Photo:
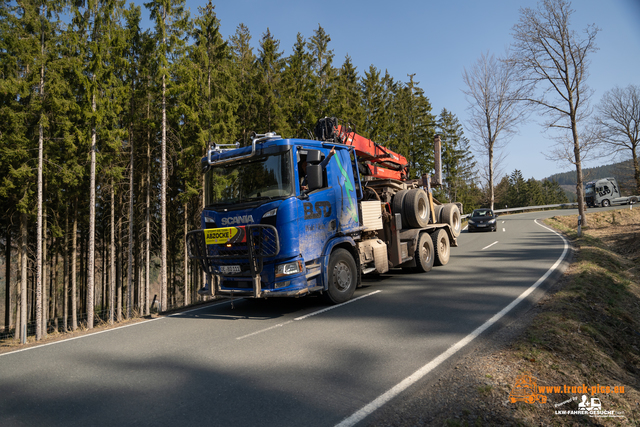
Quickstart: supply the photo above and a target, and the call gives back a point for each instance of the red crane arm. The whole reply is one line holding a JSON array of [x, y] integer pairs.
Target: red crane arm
[[385, 163]]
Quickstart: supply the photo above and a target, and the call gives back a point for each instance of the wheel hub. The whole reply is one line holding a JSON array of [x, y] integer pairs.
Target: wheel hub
[[342, 275]]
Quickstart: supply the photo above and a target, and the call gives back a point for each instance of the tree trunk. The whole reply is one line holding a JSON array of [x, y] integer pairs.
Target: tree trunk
[[130, 258], [74, 255], [576, 152], [54, 288], [112, 256], [65, 276], [147, 221], [45, 301], [92, 221], [7, 291], [186, 257], [163, 203], [39, 261], [22, 333], [636, 170], [119, 267]]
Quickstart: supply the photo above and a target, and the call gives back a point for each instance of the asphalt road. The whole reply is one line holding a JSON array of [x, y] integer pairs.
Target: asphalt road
[[285, 362]]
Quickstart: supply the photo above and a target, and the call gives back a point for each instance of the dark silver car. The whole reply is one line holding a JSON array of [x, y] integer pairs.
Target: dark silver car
[[482, 219]]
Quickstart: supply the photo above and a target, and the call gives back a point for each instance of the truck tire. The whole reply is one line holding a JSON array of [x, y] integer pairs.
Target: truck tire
[[451, 215], [441, 247], [342, 276], [397, 205], [416, 208], [424, 254], [605, 203], [437, 209]]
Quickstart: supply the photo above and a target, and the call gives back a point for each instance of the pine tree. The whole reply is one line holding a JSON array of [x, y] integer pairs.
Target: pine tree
[[517, 193], [297, 91], [322, 71], [372, 102], [348, 96], [245, 72], [268, 86], [457, 161], [533, 192], [415, 128]]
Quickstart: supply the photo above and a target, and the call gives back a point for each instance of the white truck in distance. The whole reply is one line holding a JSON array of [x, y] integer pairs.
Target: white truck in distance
[[606, 192]]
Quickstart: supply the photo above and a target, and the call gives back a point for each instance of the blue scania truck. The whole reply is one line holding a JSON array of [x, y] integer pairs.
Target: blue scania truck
[[292, 217]]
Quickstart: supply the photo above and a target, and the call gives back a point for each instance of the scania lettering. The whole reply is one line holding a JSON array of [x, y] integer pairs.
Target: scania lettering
[[315, 215], [245, 219]]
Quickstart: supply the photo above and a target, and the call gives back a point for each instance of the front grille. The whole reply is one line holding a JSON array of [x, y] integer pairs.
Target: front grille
[[261, 241]]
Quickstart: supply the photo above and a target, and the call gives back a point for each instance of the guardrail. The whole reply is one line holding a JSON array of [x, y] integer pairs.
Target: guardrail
[[532, 208]]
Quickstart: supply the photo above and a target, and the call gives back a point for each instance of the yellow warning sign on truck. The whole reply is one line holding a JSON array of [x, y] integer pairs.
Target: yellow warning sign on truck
[[219, 236]]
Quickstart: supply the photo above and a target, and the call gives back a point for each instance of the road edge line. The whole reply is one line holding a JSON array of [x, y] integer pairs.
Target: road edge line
[[110, 329], [377, 403]]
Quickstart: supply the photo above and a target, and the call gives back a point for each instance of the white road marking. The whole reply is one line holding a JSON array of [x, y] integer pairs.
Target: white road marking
[[306, 316], [487, 247], [420, 373], [113, 329], [503, 230]]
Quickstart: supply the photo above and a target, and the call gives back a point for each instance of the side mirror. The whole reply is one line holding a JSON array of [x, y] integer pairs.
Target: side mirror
[[314, 177]]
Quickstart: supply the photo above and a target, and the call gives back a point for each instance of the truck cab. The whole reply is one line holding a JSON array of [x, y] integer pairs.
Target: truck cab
[[605, 192]]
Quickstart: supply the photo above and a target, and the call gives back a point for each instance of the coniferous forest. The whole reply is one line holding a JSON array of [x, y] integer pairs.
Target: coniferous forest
[[103, 125]]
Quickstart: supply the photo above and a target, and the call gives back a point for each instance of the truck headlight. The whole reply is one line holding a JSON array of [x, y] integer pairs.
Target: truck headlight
[[289, 268], [272, 212]]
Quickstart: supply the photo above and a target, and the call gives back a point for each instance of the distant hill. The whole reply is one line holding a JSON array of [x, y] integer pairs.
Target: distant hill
[[622, 172]]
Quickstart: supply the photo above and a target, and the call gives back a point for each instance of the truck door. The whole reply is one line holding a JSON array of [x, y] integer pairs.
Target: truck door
[[316, 215]]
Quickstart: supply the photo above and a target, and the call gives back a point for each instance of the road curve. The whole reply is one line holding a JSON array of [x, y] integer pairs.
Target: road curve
[[285, 362]]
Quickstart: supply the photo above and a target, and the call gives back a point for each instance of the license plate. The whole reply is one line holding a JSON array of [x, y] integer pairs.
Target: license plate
[[230, 269], [482, 225]]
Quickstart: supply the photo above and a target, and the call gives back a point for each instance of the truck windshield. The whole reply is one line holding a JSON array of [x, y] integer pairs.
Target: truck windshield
[[264, 177], [589, 189]]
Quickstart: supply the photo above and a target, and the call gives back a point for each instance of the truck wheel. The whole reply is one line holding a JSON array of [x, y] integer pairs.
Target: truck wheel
[[441, 247], [605, 203], [424, 254], [397, 205], [437, 209], [451, 215], [342, 276], [416, 208]]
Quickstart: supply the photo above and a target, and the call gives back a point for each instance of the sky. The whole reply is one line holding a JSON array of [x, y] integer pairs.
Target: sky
[[437, 40]]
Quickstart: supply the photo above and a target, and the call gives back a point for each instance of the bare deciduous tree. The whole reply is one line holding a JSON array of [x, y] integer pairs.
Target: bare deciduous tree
[[553, 61], [619, 119], [493, 94]]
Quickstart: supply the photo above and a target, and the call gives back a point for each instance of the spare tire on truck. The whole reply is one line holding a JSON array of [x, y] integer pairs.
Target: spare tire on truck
[[397, 205], [436, 213], [416, 208], [451, 215]]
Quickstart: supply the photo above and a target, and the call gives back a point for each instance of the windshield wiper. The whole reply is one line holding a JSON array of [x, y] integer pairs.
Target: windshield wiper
[[259, 198]]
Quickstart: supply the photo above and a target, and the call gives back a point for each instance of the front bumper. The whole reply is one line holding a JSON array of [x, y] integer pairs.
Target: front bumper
[[482, 227], [239, 254]]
